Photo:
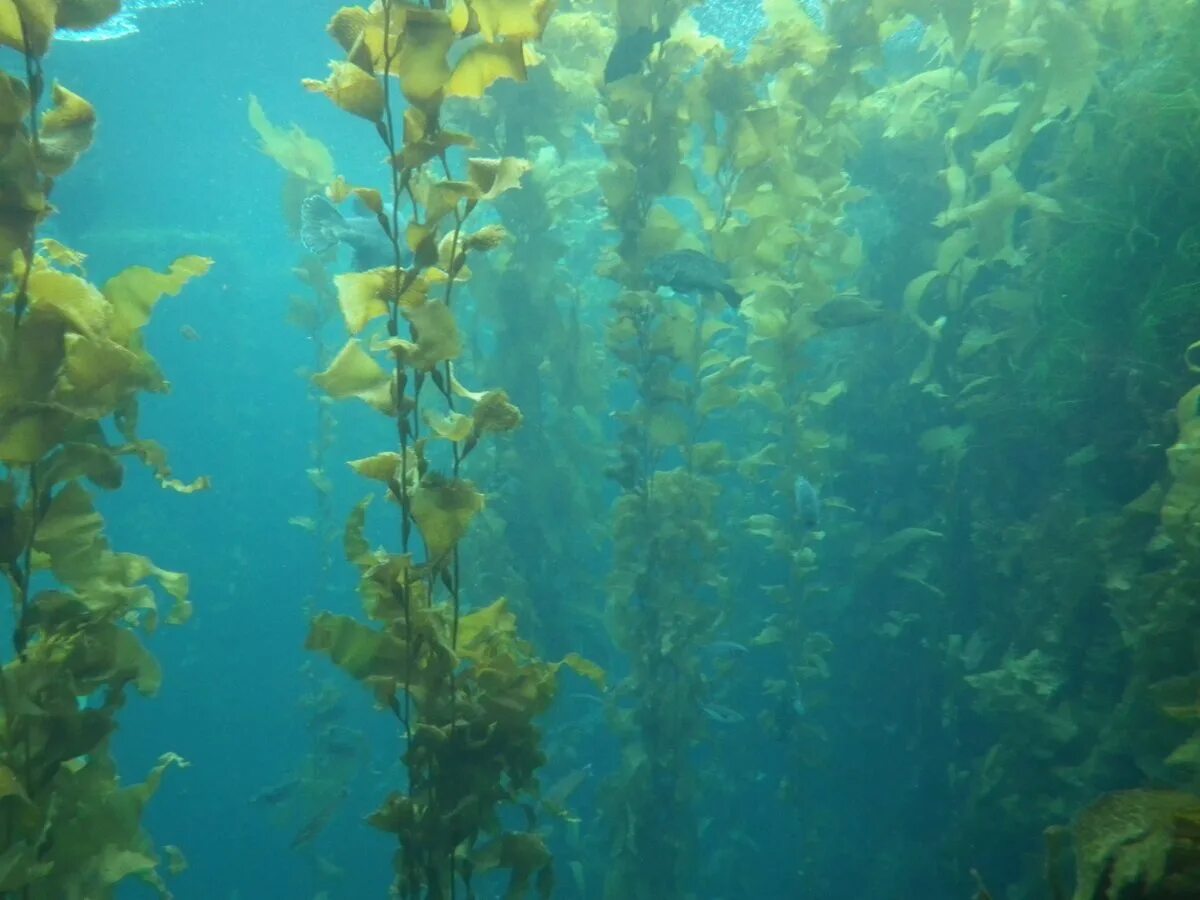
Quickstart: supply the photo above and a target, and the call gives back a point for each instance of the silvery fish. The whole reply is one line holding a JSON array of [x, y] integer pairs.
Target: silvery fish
[[723, 715], [808, 503], [690, 271], [323, 227]]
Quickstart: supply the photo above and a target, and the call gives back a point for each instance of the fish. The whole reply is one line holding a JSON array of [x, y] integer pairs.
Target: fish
[[688, 271], [723, 715], [323, 228], [317, 822], [629, 53], [807, 502], [189, 333], [847, 311], [725, 648]]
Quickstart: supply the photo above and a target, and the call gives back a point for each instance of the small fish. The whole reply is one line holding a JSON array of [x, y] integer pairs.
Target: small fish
[[808, 503], [798, 705], [723, 715], [629, 53], [725, 648], [276, 794], [557, 795], [316, 824], [688, 271], [847, 311], [322, 228], [189, 333]]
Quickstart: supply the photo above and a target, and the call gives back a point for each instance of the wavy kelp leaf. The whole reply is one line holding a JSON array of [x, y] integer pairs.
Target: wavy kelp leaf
[[485, 239], [354, 539], [303, 156], [67, 129], [442, 197], [791, 36], [70, 542], [22, 197], [97, 828], [1181, 505], [78, 303], [453, 426], [358, 650], [494, 413], [363, 296], [28, 431], [1138, 843], [443, 509], [28, 24], [347, 28], [98, 376], [84, 15], [1072, 61], [422, 145], [153, 455], [421, 62], [437, 334], [60, 254], [134, 292], [351, 90], [527, 859], [95, 463], [485, 625], [520, 19], [485, 64], [585, 668], [386, 467], [353, 373], [494, 177]]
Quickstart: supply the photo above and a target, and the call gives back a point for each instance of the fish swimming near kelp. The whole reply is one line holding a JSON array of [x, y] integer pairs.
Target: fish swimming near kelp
[[807, 503], [722, 715], [629, 53], [690, 271], [323, 227], [847, 311]]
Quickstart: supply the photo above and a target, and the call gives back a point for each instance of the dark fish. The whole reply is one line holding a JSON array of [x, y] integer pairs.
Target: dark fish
[[322, 228], [690, 271], [808, 504], [629, 53], [847, 311]]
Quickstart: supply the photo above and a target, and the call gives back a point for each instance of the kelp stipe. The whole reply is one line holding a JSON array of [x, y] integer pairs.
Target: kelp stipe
[[72, 364]]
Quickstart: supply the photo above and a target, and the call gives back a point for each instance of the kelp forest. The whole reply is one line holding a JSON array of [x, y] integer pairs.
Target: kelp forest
[[600, 449]]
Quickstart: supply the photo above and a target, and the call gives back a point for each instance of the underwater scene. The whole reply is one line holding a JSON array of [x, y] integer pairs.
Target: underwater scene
[[600, 450]]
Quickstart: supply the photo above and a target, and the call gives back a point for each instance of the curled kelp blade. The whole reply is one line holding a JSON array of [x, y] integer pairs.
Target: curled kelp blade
[[123, 24]]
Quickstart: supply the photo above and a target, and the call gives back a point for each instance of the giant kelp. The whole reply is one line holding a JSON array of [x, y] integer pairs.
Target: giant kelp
[[73, 362], [464, 687], [667, 590], [1047, 342]]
